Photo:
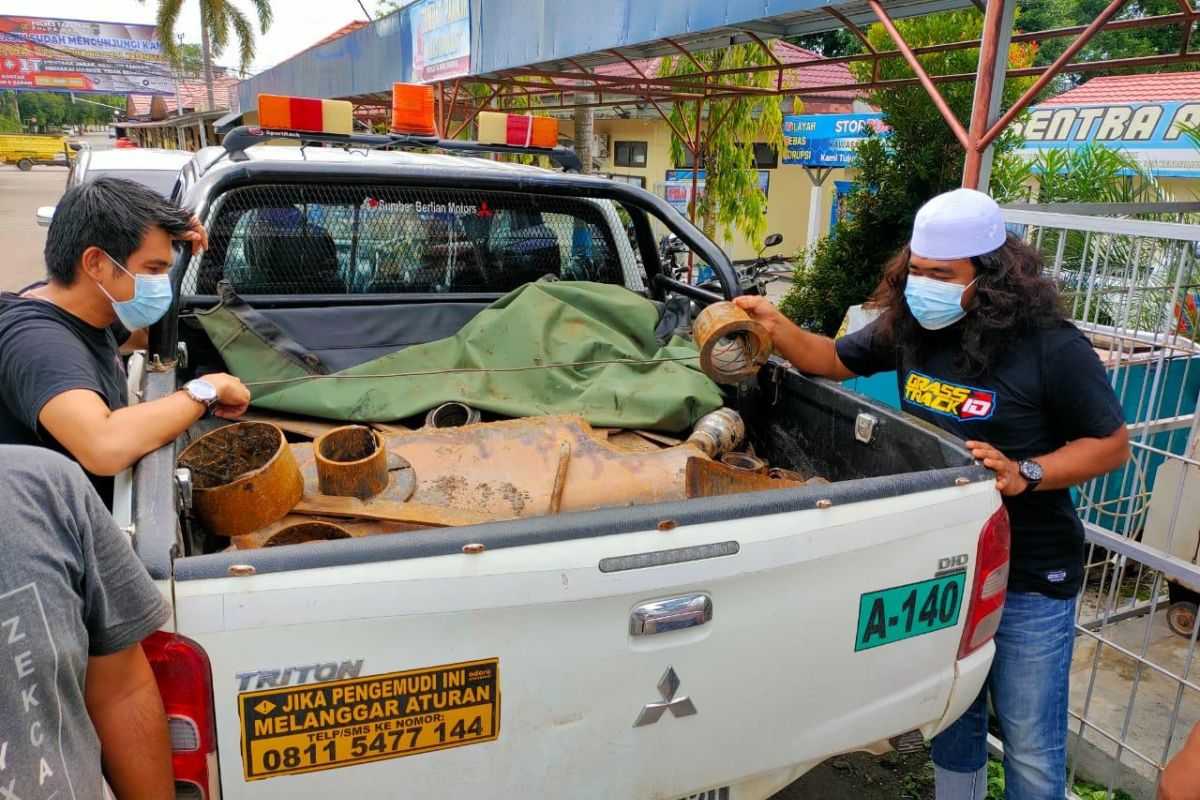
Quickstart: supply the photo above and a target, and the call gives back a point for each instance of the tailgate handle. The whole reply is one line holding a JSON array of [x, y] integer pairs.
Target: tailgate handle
[[675, 614]]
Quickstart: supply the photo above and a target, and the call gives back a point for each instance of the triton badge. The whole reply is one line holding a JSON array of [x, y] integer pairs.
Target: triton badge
[[679, 706]]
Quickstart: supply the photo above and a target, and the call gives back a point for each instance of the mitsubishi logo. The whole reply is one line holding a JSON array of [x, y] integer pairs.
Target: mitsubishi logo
[[679, 706]]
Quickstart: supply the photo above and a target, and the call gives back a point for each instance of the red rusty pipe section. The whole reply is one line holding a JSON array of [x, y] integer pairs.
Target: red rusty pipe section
[[1051, 72], [989, 46], [922, 76]]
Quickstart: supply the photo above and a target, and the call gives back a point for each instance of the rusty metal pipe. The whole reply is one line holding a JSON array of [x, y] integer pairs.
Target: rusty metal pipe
[[245, 476], [351, 462], [733, 346]]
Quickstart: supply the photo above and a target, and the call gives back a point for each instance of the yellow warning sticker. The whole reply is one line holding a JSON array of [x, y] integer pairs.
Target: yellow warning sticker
[[356, 721]]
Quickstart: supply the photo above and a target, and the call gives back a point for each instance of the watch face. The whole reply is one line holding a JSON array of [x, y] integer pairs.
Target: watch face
[[1031, 470], [202, 391]]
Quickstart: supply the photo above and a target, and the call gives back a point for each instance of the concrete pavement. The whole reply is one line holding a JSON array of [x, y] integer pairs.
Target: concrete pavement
[[21, 239]]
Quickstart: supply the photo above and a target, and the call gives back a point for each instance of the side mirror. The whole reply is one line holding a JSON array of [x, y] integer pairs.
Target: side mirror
[[44, 215], [774, 240]]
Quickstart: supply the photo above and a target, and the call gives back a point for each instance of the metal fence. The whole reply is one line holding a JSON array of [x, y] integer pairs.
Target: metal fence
[[1131, 280]]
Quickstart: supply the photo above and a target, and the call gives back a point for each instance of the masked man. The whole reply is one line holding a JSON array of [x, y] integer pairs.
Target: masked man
[[981, 347], [62, 380]]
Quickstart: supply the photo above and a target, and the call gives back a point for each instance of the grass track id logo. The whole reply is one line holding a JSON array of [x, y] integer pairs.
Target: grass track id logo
[[964, 403]]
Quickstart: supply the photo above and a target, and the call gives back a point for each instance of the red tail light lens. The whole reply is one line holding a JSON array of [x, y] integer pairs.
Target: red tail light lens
[[990, 586], [185, 682]]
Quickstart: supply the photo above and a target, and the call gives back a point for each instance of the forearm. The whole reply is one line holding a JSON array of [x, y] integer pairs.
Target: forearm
[[132, 432], [810, 353], [1081, 460], [135, 745]]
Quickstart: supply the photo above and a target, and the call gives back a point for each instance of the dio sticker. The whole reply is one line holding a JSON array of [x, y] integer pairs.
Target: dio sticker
[[356, 721]]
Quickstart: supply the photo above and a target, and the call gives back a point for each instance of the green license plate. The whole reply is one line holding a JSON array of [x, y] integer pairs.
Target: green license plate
[[903, 612]]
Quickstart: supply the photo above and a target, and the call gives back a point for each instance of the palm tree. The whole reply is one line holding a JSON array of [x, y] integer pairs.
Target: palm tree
[[217, 18]]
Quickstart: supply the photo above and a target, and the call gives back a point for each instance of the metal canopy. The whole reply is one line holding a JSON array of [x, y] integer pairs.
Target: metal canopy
[[566, 36], [508, 34]]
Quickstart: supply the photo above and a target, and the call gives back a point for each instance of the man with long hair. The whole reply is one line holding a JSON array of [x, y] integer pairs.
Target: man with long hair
[[982, 348]]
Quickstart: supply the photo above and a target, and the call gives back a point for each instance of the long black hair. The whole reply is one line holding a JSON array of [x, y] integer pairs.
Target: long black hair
[[1012, 298]]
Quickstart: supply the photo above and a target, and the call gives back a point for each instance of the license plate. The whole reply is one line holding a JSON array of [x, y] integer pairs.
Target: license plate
[[902, 612]]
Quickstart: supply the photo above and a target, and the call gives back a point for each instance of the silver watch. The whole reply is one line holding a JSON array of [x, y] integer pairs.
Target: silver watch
[[202, 392]]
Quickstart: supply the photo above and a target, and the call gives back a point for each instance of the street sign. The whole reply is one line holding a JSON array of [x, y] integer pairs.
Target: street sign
[[826, 140]]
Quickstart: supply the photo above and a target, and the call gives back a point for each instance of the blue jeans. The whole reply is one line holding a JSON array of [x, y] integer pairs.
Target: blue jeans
[[1028, 686]]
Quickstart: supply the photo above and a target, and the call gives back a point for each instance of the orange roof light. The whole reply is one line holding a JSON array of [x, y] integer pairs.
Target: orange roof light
[[412, 109], [309, 114]]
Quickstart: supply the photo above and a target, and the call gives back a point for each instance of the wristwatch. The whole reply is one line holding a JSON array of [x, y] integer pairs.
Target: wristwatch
[[1031, 471], [202, 392]]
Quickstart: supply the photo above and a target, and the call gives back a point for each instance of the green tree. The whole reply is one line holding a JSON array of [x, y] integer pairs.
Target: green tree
[[917, 160], [831, 44], [728, 131], [1041, 15], [219, 21]]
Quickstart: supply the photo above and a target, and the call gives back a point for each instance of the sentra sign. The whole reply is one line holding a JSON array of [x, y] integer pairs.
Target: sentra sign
[[1151, 132]]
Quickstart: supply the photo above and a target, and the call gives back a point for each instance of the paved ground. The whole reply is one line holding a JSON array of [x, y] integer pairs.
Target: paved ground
[[21, 239]]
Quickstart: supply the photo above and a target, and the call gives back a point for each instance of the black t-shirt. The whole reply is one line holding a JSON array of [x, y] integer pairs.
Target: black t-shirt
[[45, 351], [1048, 388]]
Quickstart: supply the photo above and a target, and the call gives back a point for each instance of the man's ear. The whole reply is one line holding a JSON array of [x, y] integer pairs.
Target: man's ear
[[94, 264]]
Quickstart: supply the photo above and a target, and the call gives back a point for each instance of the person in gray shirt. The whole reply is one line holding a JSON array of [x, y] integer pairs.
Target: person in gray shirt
[[78, 700]]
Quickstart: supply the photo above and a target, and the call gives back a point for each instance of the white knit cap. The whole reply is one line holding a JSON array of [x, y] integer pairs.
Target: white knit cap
[[958, 224]]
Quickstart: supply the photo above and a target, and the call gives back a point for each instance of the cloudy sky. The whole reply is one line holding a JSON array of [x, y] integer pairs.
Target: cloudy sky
[[298, 23]]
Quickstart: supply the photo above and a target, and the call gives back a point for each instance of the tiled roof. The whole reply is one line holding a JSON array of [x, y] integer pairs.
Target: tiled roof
[[349, 27], [193, 94], [808, 77], [1110, 89]]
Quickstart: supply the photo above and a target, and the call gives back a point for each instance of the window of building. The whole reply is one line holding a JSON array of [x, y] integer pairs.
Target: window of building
[[765, 156], [633, 180], [630, 154]]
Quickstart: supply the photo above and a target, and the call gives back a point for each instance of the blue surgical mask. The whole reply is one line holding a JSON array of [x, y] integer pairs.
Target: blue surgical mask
[[935, 304], [151, 299]]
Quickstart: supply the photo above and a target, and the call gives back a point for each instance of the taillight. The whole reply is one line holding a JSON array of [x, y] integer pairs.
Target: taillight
[[185, 682], [990, 586]]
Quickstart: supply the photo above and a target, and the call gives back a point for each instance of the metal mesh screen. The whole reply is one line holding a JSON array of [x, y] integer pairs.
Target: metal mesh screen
[[307, 239]]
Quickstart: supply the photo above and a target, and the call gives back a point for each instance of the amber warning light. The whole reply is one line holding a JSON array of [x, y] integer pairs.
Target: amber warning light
[[412, 109], [308, 114]]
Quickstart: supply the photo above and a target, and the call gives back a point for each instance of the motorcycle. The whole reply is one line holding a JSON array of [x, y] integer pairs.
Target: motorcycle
[[752, 277]]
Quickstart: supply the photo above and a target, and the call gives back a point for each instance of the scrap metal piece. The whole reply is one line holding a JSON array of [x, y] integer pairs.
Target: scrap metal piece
[[352, 461], [411, 512], [718, 433], [733, 347], [560, 477], [244, 477], [712, 479]]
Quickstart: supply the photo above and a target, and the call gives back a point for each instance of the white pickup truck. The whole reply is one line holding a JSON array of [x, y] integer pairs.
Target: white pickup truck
[[716, 647]]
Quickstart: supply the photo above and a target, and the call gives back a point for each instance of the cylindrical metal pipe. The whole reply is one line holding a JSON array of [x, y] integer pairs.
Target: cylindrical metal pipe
[[351, 462], [451, 415], [719, 432]]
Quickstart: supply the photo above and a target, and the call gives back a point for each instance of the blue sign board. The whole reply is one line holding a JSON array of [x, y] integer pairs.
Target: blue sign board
[[1152, 133], [826, 140]]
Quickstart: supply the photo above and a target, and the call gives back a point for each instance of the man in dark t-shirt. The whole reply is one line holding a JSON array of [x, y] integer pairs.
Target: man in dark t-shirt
[[62, 380], [982, 349]]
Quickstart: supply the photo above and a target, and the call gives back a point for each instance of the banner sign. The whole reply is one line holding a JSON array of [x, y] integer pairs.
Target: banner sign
[[68, 55], [441, 39], [1149, 132], [826, 140], [677, 190]]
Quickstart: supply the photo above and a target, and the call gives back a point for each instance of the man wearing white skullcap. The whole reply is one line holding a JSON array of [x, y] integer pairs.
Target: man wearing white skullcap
[[982, 349]]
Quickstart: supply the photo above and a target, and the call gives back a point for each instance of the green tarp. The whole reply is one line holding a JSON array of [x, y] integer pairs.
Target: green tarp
[[553, 326]]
